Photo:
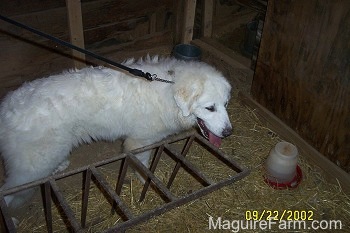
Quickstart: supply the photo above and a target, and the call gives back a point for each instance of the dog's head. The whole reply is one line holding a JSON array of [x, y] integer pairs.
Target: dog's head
[[204, 95]]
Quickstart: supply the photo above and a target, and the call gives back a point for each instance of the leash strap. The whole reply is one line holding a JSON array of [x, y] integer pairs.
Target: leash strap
[[136, 72]]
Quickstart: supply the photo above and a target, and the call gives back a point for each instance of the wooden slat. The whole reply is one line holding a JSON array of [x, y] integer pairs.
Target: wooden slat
[[76, 31], [19, 7], [332, 171], [208, 18], [189, 15]]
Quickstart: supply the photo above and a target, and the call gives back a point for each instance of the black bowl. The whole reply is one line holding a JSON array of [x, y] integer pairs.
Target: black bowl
[[187, 52]]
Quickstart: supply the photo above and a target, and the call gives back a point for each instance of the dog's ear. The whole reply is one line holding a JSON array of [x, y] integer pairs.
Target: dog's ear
[[185, 96]]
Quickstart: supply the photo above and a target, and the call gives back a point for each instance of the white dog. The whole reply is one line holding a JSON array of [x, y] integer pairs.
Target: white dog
[[44, 119]]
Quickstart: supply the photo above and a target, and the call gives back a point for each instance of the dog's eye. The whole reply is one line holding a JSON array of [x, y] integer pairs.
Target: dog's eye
[[211, 108], [226, 104]]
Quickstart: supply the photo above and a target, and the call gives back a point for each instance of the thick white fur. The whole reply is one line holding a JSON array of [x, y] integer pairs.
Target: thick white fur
[[43, 120]]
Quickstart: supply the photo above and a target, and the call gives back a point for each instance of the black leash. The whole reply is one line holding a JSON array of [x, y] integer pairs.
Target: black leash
[[136, 72]]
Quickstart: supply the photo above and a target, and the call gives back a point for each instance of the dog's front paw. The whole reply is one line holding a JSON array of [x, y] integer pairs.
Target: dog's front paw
[[63, 166]]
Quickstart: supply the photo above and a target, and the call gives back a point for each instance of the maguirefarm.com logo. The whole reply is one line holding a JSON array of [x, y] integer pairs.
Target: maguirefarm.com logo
[[241, 225]]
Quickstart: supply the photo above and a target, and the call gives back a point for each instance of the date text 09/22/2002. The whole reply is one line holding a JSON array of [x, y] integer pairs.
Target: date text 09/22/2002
[[276, 215]]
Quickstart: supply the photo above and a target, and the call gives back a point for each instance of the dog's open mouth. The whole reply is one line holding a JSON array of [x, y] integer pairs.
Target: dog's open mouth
[[215, 140]]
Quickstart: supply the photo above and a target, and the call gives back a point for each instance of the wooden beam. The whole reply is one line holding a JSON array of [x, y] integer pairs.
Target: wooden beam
[[208, 18], [333, 172], [188, 24], [76, 32]]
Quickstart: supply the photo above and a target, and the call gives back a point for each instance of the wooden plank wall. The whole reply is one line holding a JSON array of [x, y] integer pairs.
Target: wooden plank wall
[[109, 25], [303, 72]]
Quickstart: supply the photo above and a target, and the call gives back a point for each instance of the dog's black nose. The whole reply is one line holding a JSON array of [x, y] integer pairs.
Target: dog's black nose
[[227, 132]]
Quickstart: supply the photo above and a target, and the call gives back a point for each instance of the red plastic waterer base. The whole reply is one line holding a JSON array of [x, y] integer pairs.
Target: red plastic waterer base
[[289, 185]]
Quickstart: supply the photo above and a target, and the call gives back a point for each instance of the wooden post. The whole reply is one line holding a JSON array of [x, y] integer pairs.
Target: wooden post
[[189, 14], [208, 18], [76, 32]]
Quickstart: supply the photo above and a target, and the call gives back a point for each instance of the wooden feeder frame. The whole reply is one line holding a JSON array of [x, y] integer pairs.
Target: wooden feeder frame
[[52, 193]]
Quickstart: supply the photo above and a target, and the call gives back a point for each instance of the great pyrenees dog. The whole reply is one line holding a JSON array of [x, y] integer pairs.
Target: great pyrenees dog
[[44, 119]]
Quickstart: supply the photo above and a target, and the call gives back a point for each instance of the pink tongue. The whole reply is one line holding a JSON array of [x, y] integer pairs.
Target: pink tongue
[[215, 140]]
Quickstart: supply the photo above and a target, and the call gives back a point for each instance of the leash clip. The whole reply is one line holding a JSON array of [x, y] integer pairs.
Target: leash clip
[[153, 77]]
